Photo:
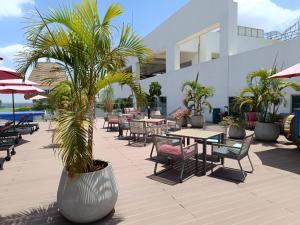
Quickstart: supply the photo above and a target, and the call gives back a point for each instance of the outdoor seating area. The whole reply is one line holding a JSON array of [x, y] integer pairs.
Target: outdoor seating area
[[197, 122], [270, 194]]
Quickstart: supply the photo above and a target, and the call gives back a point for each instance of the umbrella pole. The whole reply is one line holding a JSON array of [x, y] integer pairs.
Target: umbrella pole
[[13, 102]]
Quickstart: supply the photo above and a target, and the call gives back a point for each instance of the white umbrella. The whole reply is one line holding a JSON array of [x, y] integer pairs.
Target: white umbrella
[[38, 97]]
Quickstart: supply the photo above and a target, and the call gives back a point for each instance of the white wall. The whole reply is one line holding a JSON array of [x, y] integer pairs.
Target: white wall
[[245, 43], [195, 18], [227, 75]]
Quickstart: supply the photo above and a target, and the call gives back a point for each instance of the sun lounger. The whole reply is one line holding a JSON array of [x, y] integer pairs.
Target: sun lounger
[[8, 147]]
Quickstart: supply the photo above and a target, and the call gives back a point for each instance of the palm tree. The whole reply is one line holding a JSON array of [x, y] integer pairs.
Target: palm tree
[[92, 56], [265, 95], [196, 96]]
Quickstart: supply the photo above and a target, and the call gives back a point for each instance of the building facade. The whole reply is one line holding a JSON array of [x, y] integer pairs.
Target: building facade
[[204, 37]]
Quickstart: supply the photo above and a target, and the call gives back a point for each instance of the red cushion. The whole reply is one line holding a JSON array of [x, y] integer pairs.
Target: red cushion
[[170, 149], [251, 116], [113, 120], [175, 150]]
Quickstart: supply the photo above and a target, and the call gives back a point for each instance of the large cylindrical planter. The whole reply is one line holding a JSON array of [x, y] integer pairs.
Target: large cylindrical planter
[[268, 132], [197, 121], [87, 197], [237, 132]]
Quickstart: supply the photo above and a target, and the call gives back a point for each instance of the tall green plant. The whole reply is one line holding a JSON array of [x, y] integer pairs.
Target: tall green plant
[[265, 94], [107, 99], [92, 55], [196, 96], [154, 93]]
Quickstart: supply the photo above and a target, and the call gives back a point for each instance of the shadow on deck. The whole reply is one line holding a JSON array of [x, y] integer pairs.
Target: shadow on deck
[[49, 215]]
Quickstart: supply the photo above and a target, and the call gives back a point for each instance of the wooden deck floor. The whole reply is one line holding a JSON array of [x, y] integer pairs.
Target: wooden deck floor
[[271, 195]]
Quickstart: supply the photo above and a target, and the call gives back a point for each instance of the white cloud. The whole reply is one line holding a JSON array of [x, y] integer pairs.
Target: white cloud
[[266, 14], [13, 8], [8, 53]]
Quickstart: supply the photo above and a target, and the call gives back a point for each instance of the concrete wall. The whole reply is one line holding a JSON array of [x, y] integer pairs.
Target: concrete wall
[[238, 55], [227, 74], [194, 19], [245, 43]]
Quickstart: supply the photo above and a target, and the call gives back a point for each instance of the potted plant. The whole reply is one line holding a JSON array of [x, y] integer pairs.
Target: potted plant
[[77, 38], [154, 94], [181, 116], [236, 126], [195, 99], [236, 121], [265, 95]]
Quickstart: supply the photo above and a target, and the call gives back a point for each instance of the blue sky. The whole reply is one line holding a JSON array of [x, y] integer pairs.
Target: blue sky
[[145, 14]]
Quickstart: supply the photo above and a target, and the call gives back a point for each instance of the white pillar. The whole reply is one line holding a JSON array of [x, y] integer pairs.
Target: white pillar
[[228, 31], [136, 70], [173, 58]]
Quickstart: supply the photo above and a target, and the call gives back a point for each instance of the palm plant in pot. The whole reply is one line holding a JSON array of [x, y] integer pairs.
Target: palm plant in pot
[[84, 44], [154, 94], [195, 99], [265, 95], [236, 121]]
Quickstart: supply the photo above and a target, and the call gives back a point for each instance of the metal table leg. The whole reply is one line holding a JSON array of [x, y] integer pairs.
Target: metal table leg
[[204, 156]]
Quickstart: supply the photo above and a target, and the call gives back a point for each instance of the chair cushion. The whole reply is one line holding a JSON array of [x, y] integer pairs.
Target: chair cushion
[[237, 145], [115, 121], [170, 149], [212, 141], [227, 151], [175, 150]]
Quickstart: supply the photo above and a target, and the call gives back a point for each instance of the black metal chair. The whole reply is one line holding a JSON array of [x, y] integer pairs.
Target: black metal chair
[[165, 148], [137, 129], [236, 150]]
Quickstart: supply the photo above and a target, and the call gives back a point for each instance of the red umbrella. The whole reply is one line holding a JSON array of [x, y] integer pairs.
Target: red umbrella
[[6, 73], [293, 71], [17, 82]]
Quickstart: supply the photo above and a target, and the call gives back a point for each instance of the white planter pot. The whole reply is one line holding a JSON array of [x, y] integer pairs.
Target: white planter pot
[[237, 132], [87, 197], [156, 113], [266, 132], [197, 121]]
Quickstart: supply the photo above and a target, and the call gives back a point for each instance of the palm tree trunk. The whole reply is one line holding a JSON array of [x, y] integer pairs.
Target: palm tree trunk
[[91, 129]]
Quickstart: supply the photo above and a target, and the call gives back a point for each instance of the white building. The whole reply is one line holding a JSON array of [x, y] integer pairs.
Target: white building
[[204, 37]]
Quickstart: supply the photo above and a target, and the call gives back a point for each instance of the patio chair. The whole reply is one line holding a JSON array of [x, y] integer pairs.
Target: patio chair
[[165, 148], [123, 125], [138, 128], [105, 117], [113, 121], [236, 150], [162, 130]]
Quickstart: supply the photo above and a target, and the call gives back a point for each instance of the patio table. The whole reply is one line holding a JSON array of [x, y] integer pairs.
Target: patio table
[[155, 121], [199, 134]]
